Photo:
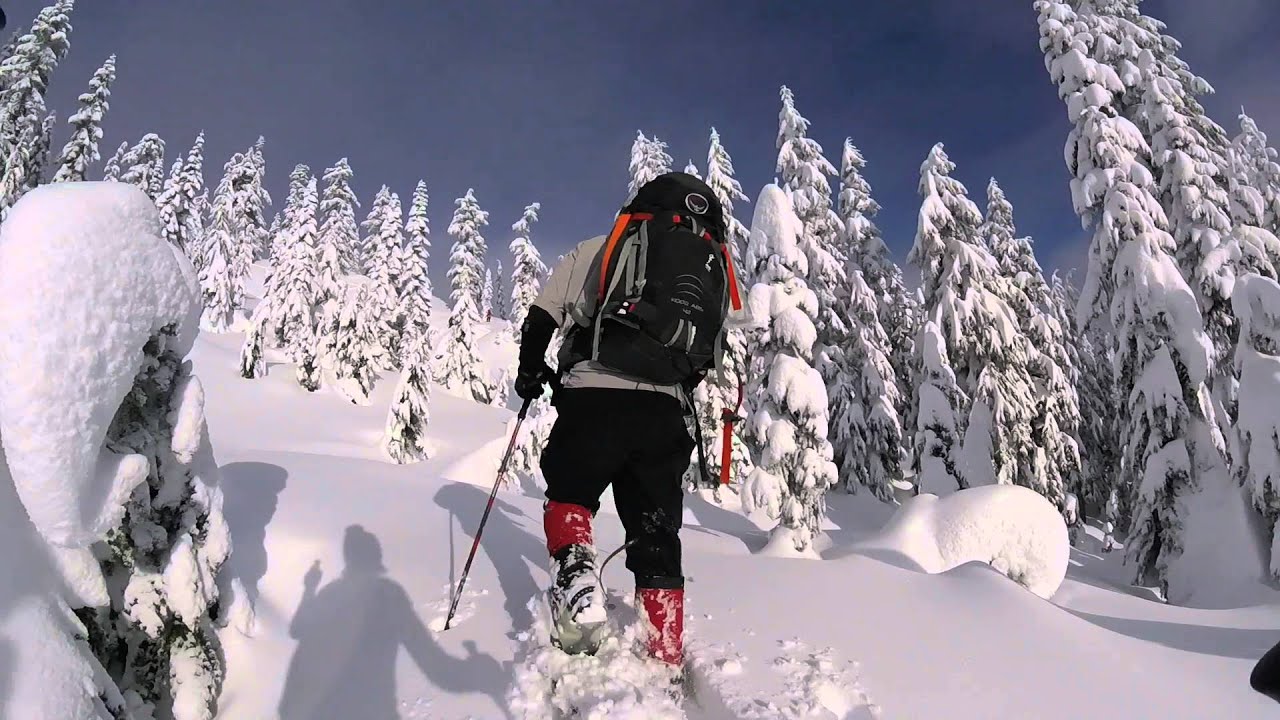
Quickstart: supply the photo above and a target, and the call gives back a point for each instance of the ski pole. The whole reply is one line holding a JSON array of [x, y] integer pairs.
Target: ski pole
[[475, 544]]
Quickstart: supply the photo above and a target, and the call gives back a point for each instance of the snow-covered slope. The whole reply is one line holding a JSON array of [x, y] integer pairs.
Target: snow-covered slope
[[303, 477]]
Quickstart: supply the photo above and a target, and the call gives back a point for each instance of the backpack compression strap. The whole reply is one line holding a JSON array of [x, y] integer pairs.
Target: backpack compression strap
[[619, 228]]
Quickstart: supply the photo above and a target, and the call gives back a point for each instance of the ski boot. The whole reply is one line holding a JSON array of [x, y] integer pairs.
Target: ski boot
[[577, 607]]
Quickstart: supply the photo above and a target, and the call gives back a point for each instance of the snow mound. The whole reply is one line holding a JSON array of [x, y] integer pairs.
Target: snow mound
[[1014, 529], [71, 342]]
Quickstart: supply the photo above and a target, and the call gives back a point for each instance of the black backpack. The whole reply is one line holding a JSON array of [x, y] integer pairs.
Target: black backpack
[[662, 287]]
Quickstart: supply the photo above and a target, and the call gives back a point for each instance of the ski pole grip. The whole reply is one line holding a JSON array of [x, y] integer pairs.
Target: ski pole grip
[[524, 408]]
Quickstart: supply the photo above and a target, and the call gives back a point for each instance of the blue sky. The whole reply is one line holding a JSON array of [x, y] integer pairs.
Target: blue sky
[[539, 100]]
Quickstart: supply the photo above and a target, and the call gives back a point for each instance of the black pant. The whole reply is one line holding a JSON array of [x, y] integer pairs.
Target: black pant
[[636, 441]]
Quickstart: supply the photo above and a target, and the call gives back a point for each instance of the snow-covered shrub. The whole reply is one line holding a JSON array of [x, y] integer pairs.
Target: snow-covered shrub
[[1012, 528], [108, 456]]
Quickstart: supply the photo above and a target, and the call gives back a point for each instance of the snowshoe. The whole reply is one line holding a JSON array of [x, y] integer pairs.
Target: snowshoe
[[577, 607]]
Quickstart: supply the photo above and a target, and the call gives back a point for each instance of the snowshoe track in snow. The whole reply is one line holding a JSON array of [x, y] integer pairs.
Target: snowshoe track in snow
[[617, 682]]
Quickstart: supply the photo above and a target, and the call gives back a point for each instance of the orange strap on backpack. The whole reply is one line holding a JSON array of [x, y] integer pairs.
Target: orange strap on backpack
[[619, 227]]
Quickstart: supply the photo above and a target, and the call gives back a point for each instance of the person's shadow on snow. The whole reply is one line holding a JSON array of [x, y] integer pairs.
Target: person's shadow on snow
[[349, 635], [515, 547]]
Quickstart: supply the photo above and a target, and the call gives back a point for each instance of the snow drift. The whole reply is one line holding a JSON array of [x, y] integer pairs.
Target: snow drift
[[1012, 528], [85, 282], [81, 292]]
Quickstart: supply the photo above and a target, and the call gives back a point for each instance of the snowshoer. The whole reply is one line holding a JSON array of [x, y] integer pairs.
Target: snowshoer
[[643, 310]]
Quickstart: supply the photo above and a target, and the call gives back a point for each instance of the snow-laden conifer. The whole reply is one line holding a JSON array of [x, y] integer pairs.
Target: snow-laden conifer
[[351, 348], [157, 637], [649, 159], [414, 291], [984, 347], [339, 235], [112, 168], [527, 268], [1160, 347], [237, 224], [24, 75], [467, 256], [143, 165], [787, 429], [384, 254], [81, 150], [405, 437], [457, 366], [177, 203]]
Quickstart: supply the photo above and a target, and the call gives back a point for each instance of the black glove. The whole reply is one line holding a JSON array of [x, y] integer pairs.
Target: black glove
[[535, 335], [529, 381]]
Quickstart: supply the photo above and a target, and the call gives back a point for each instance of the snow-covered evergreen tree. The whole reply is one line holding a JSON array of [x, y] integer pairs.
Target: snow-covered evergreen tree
[[417, 230], [649, 159], [691, 169], [236, 225], [199, 219], [1101, 446], [527, 268], [258, 201], [867, 435], [42, 152], [1257, 361], [291, 294], [7, 50], [501, 297], [157, 638], [253, 353], [1055, 460], [112, 169], [1161, 350], [867, 405], [486, 295], [1189, 168], [405, 436], [467, 257], [870, 256], [457, 367], [997, 230], [81, 150], [1258, 164], [1253, 186], [177, 203], [278, 230], [720, 392], [979, 335], [25, 78], [415, 284], [787, 428], [143, 165], [721, 180], [803, 171], [352, 350], [308, 371], [384, 254], [339, 236]]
